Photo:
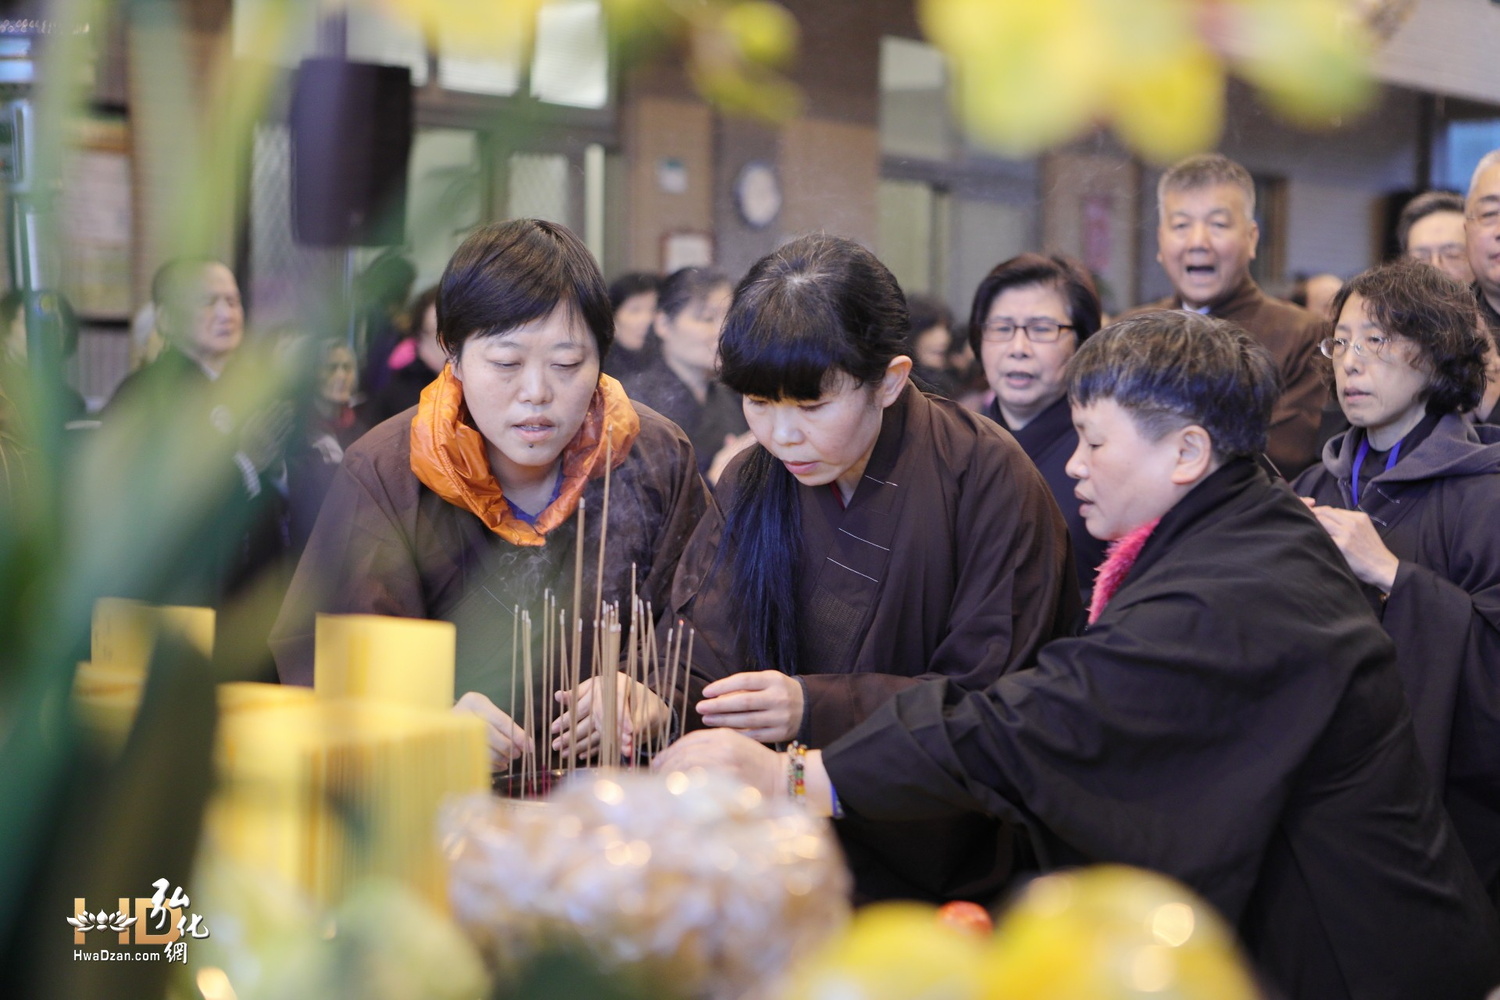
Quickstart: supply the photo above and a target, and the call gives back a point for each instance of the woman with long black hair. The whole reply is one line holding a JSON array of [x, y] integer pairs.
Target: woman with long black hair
[[873, 537]]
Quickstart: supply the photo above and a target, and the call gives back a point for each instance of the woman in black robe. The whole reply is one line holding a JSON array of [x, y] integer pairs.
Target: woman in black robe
[[1411, 496], [1030, 314], [676, 373], [465, 507], [875, 536], [633, 298], [1232, 715]]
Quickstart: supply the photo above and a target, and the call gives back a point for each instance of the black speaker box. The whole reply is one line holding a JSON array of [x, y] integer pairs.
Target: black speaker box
[[351, 126]]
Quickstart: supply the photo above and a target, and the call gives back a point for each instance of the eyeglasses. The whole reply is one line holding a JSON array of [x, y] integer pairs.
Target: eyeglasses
[[1488, 219], [1448, 253], [1374, 346], [1038, 331]]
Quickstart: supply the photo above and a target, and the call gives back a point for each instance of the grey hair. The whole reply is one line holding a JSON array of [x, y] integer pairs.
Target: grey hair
[[1486, 161], [1206, 170]]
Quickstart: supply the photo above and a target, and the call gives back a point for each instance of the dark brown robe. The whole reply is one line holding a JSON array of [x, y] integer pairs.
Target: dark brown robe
[[385, 544], [1291, 334], [951, 561]]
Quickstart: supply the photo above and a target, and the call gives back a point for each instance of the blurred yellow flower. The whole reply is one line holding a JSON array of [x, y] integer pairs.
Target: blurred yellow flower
[[1030, 75], [1308, 57], [1112, 932], [1169, 108], [892, 951], [765, 33], [1027, 75]]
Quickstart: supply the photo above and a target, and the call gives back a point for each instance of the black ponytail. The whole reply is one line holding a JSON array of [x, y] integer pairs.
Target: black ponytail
[[762, 545]]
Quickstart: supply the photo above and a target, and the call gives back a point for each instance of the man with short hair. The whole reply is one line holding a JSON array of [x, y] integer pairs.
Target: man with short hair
[[201, 318], [1206, 239], [1482, 232], [199, 314], [1431, 229]]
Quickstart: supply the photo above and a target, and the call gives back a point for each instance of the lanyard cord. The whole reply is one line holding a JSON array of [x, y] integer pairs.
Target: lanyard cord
[[1359, 460]]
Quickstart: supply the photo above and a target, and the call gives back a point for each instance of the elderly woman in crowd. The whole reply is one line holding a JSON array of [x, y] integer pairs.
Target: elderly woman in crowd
[[1030, 315], [1232, 716], [1411, 496], [464, 507], [678, 380]]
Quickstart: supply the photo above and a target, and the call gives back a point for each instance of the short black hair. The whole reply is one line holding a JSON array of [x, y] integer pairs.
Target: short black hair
[[1173, 368], [628, 286], [1425, 204], [512, 273], [1409, 299], [678, 290], [818, 306], [1070, 278]]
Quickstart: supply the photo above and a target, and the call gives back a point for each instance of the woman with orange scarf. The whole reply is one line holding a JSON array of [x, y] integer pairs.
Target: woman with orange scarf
[[465, 508]]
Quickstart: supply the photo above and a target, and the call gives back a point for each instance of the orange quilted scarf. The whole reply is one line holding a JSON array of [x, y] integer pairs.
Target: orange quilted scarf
[[448, 455]]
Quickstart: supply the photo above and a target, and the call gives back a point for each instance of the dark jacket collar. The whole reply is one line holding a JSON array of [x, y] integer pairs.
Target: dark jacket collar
[[1234, 482], [1045, 428], [1486, 311], [1456, 447], [910, 405]]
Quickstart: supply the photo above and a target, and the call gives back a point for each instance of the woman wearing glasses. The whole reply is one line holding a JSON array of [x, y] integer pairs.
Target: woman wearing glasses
[[873, 537], [1030, 314], [1411, 496]]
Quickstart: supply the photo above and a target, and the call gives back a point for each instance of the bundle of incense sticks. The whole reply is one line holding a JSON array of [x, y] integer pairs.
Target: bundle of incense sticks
[[622, 686]]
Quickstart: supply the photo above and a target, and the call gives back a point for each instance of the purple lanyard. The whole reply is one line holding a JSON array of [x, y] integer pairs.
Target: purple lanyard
[[1359, 460]]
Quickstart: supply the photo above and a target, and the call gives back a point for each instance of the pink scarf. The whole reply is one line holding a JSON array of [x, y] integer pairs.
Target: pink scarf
[[1116, 566]]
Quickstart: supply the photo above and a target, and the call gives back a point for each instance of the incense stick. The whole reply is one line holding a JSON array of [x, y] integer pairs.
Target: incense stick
[[603, 524], [610, 751], [549, 675], [573, 682], [577, 639], [515, 632], [667, 684], [687, 671], [530, 692]]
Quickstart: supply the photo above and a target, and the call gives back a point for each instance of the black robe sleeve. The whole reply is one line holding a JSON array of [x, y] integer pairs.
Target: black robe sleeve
[[1207, 728], [1454, 619]]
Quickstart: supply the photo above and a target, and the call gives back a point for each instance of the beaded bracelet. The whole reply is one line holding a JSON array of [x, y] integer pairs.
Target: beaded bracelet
[[796, 772]]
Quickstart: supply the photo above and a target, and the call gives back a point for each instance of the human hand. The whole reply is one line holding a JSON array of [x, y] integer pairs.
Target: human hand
[[507, 740], [727, 752], [1363, 548], [765, 705], [264, 433], [733, 445], [641, 714]]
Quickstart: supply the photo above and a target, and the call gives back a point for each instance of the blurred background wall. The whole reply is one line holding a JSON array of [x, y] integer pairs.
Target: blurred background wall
[[651, 176]]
